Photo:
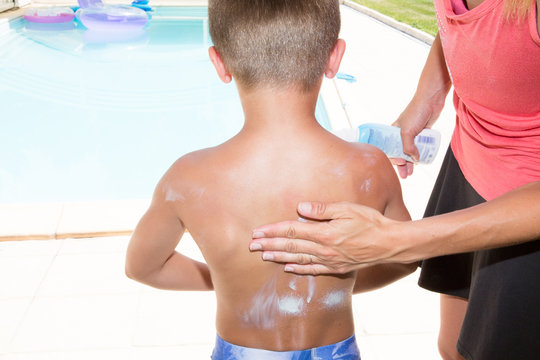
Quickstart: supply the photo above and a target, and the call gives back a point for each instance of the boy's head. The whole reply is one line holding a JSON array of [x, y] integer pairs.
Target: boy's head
[[275, 43]]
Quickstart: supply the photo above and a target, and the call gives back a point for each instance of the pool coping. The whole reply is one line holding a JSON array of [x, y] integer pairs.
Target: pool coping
[[45, 221]]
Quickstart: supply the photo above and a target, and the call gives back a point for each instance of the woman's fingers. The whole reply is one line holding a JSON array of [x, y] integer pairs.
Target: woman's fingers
[[300, 258], [303, 264], [313, 269], [288, 230], [405, 168], [409, 148], [286, 245]]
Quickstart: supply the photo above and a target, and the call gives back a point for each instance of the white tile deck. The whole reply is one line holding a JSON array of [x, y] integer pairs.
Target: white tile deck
[[69, 299]]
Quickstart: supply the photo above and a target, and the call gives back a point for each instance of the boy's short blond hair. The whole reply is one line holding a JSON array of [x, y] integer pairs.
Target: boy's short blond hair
[[275, 43]]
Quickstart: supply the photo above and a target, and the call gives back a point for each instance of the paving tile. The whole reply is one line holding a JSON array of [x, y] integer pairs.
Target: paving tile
[[175, 318], [30, 248], [77, 323], [402, 307], [21, 276], [88, 274], [404, 347], [386, 78], [191, 352], [106, 354], [11, 314], [367, 352]]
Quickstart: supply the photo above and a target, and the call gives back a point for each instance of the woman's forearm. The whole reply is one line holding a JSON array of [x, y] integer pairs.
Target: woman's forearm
[[508, 220], [434, 82], [377, 276]]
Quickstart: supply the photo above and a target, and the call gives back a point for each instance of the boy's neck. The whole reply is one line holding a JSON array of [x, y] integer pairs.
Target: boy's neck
[[279, 110]]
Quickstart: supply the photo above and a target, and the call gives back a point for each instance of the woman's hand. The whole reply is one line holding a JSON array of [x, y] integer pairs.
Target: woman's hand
[[346, 237], [417, 116]]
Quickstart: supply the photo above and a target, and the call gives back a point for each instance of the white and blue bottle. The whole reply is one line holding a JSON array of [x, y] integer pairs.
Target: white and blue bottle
[[388, 139]]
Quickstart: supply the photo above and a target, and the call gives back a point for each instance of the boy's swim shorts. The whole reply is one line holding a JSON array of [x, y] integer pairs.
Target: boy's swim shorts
[[344, 350]]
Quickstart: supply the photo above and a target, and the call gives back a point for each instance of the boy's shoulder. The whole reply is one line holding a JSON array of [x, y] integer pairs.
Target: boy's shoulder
[[371, 171], [367, 158], [193, 164], [186, 174]]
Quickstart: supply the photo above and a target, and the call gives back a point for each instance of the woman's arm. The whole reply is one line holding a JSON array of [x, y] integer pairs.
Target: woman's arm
[[356, 236], [425, 106], [151, 257], [378, 276]]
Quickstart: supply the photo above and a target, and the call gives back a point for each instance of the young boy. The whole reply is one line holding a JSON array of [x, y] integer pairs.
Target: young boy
[[277, 51]]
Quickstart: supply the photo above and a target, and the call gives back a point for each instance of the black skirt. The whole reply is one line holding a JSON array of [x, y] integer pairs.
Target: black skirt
[[502, 285]]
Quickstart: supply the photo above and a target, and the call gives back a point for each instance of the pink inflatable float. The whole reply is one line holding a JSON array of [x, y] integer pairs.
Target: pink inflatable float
[[52, 15]]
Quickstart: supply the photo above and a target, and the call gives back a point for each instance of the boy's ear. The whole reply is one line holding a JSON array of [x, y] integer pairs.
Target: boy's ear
[[221, 70], [335, 59]]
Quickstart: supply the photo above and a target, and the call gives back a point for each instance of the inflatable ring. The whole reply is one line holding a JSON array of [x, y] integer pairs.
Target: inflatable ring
[[112, 18], [53, 15]]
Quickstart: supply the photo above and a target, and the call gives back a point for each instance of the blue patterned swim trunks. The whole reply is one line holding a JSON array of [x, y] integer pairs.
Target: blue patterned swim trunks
[[344, 350]]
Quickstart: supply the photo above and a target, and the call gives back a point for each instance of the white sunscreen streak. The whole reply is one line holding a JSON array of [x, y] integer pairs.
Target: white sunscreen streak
[[292, 284], [334, 299], [291, 305], [266, 305], [171, 195], [366, 185], [340, 169], [311, 288], [263, 306]]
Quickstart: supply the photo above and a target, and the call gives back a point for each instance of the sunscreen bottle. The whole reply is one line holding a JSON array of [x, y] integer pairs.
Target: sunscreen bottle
[[388, 139]]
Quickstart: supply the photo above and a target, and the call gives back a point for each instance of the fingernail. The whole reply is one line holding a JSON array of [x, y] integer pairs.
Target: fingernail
[[268, 256], [304, 207], [415, 158], [288, 268], [257, 234], [255, 247]]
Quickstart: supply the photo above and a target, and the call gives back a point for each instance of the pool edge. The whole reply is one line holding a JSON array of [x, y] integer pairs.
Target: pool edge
[[46, 221]]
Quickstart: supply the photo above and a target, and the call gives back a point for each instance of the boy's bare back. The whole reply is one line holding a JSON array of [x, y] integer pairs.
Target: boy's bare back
[[221, 194]]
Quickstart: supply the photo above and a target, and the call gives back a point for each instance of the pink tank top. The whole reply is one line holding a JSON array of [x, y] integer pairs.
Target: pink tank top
[[495, 68]]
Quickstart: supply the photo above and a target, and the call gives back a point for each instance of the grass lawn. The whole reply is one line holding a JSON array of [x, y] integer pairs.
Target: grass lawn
[[417, 13]]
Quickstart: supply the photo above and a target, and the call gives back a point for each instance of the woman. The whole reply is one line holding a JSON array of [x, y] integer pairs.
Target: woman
[[489, 298]]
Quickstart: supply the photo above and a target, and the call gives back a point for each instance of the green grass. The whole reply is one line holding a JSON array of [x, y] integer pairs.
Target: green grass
[[419, 14]]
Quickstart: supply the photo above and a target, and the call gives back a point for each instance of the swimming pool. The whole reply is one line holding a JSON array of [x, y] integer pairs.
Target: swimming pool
[[85, 118]]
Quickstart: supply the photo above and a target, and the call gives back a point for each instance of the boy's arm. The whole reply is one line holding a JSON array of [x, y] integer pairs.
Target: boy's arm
[[378, 276], [151, 257]]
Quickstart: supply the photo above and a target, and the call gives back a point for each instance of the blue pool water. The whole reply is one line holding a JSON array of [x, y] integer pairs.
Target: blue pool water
[[85, 118]]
